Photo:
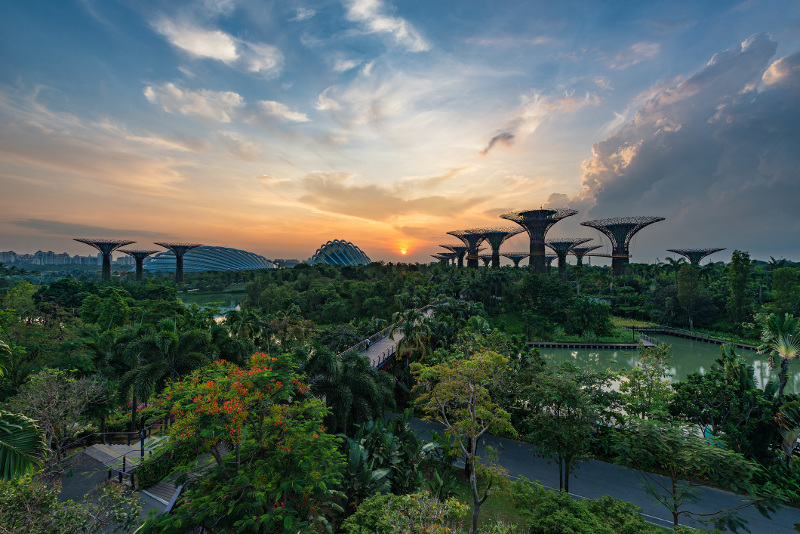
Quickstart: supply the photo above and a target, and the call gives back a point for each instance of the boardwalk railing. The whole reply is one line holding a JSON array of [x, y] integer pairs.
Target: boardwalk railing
[[690, 334], [377, 336], [89, 439]]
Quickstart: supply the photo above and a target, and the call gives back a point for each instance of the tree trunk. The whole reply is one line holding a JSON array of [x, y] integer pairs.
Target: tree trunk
[[783, 376], [133, 412], [566, 475], [674, 509], [467, 463], [560, 473], [476, 501]]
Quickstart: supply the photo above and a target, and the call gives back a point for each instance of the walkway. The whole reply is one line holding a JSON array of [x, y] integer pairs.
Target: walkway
[[595, 479], [382, 350]]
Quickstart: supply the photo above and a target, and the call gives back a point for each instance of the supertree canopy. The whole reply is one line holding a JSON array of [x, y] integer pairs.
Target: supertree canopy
[[548, 261], [495, 237], [106, 247], [486, 259], [139, 256], [443, 258], [179, 249], [620, 231], [537, 223], [694, 255], [459, 251], [516, 257], [580, 252], [561, 246], [472, 238]]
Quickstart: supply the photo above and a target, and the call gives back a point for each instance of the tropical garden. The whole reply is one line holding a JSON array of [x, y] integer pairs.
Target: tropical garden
[[274, 425]]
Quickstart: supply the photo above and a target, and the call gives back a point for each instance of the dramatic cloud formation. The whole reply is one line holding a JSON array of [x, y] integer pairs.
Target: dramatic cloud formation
[[717, 154]]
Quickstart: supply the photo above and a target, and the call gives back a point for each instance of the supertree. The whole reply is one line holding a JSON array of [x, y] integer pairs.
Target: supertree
[[495, 237], [139, 256], [472, 238], [561, 246], [443, 258], [486, 259], [694, 255], [106, 247], [516, 257], [179, 249], [579, 253], [620, 231], [459, 251], [537, 223], [548, 261]]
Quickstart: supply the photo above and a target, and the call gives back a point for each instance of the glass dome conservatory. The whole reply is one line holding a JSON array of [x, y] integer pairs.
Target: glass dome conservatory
[[207, 258], [339, 253]]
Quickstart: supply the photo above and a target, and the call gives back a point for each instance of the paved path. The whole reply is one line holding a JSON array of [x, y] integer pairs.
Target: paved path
[[383, 349], [595, 479]]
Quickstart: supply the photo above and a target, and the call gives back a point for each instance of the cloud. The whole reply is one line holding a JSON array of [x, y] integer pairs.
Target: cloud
[[343, 65], [636, 53], [281, 111], [243, 150], [371, 14], [303, 13], [536, 109], [712, 153], [340, 193], [509, 41], [216, 44], [204, 104], [219, 7], [61, 228]]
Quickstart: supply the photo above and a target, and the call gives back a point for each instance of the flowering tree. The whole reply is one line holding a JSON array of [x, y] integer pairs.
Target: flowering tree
[[274, 464]]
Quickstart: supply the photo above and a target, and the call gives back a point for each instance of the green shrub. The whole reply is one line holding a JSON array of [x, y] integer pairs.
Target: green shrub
[[158, 467], [411, 514]]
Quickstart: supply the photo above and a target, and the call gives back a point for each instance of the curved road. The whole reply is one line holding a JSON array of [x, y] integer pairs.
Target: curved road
[[595, 478]]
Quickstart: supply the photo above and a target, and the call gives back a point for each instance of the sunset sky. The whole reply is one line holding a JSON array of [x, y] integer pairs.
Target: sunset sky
[[276, 126]]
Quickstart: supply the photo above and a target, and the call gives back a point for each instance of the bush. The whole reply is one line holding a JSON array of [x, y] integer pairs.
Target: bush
[[157, 468], [411, 514]]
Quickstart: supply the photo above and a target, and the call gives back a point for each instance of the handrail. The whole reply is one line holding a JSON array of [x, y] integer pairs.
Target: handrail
[[360, 346], [703, 336], [68, 446]]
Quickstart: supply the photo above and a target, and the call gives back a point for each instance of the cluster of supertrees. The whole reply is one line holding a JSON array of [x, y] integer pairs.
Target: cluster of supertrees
[[619, 230], [107, 246]]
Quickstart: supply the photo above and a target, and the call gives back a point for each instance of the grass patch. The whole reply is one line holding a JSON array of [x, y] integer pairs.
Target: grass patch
[[627, 322]]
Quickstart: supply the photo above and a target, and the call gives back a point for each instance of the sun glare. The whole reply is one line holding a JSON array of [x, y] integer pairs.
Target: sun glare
[[403, 252]]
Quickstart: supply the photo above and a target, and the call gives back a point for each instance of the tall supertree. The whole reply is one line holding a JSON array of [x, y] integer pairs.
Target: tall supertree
[[486, 259], [620, 231], [495, 237], [472, 238], [459, 251], [694, 255], [516, 257], [139, 256], [106, 247], [561, 246], [579, 253], [548, 261], [179, 249], [537, 223]]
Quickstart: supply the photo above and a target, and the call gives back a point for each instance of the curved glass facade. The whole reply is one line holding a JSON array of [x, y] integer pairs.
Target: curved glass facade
[[202, 259], [338, 253]]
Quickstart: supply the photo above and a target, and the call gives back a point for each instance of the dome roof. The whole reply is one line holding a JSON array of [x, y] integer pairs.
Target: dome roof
[[205, 258], [338, 252]]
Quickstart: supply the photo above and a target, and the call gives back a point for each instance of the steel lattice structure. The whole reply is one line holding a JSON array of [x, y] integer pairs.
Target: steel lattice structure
[[459, 251], [620, 231], [444, 258], [139, 256], [106, 247], [496, 237], [179, 249], [472, 238], [561, 246], [548, 261], [486, 259], [537, 223], [694, 255], [580, 252], [516, 257]]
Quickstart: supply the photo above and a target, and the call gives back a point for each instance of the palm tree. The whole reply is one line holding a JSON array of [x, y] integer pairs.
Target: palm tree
[[159, 355], [22, 445], [672, 265], [781, 337], [355, 391], [5, 357]]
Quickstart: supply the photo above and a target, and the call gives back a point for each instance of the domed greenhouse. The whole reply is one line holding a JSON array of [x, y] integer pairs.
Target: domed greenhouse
[[206, 258], [339, 253]]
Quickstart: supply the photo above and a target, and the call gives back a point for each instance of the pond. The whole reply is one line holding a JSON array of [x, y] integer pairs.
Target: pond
[[227, 301], [688, 356]]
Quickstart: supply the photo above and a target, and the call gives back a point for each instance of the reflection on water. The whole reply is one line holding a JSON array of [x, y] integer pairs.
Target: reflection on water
[[226, 301], [688, 356]]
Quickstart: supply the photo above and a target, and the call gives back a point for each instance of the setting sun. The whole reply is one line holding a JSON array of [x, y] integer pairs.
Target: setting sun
[[403, 252]]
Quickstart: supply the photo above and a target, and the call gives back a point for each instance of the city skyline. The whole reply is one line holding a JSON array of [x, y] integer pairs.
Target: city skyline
[[275, 127]]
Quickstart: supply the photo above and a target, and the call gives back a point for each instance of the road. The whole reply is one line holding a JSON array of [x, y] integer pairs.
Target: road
[[595, 478]]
